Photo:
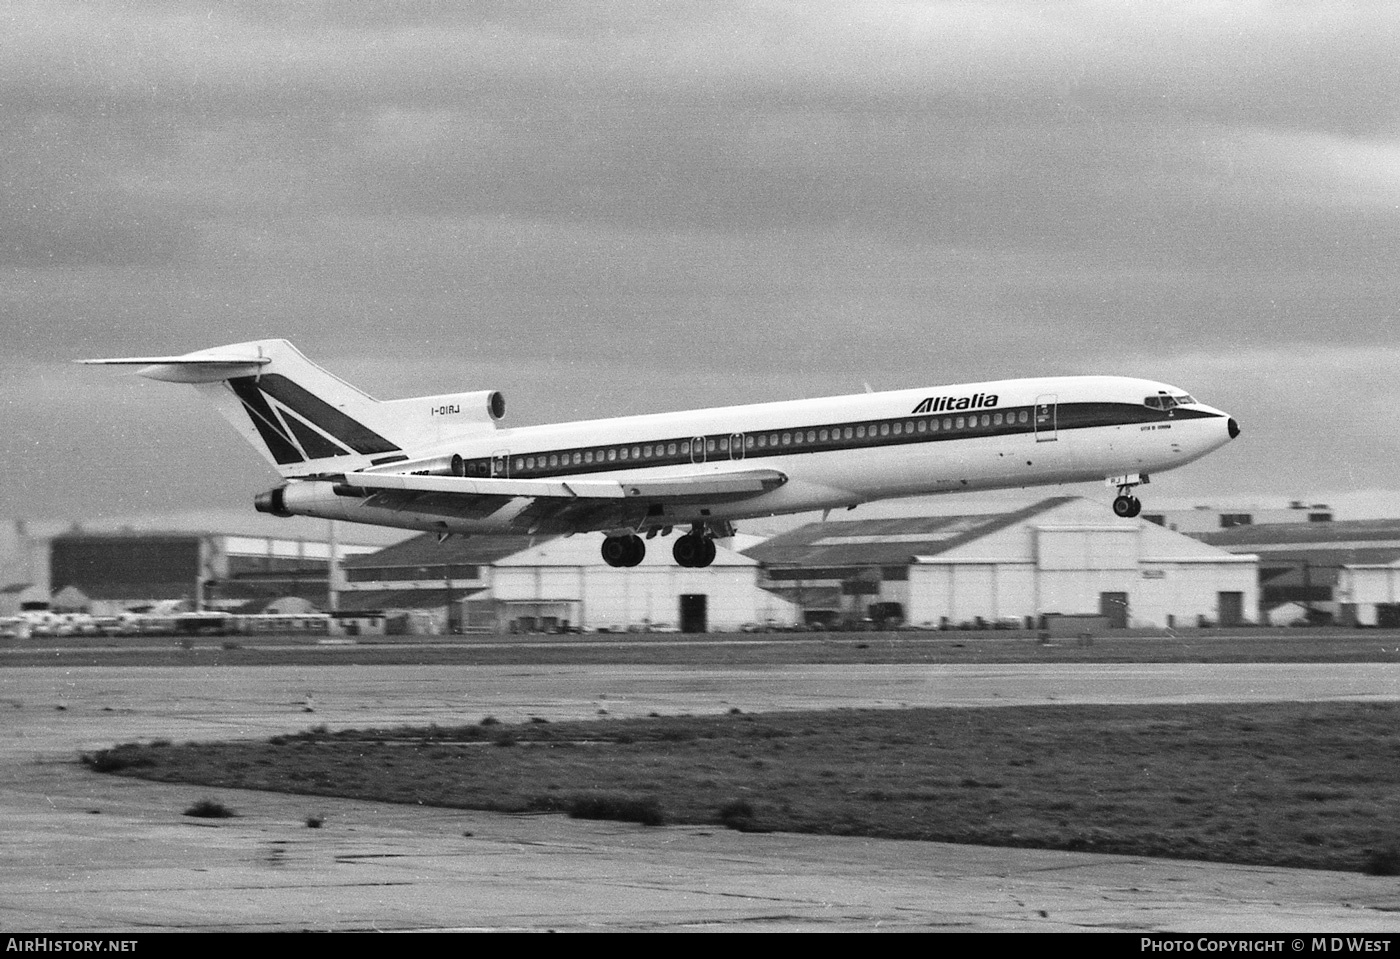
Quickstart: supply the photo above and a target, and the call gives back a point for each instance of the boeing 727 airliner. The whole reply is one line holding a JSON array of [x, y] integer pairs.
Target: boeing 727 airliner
[[444, 464]]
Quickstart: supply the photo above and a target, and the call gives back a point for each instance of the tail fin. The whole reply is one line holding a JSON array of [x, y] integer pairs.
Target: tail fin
[[304, 419]]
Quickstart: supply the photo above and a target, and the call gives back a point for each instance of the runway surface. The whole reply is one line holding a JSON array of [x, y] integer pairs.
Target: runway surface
[[103, 854]]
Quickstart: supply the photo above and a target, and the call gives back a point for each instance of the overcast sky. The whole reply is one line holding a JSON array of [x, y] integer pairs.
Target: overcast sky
[[605, 208]]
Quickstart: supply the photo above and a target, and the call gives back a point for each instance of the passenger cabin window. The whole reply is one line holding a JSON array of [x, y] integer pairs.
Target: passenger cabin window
[[805, 439]]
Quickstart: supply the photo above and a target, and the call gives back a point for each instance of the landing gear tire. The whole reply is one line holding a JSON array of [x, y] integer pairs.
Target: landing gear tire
[[694, 551], [623, 550], [684, 549], [1127, 506]]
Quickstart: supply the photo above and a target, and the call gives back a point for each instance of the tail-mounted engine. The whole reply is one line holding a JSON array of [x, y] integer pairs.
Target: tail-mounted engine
[[273, 501], [483, 406], [424, 420]]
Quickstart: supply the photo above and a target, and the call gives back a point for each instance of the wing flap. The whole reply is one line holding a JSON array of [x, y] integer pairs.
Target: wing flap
[[550, 506], [439, 504], [716, 486], [463, 486]]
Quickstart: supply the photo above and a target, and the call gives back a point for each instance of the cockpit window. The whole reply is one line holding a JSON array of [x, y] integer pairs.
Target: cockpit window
[[1164, 402]]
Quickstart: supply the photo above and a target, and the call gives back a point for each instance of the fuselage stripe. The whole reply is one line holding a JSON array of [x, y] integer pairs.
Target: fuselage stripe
[[1045, 421]]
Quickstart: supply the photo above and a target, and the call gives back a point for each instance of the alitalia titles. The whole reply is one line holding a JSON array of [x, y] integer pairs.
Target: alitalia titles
[[943, 404]]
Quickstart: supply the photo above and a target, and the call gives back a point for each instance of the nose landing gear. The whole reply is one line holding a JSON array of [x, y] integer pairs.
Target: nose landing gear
[[1126, 505]]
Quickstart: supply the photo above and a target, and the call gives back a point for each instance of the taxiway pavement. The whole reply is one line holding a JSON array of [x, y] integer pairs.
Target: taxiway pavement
[[92, 853]]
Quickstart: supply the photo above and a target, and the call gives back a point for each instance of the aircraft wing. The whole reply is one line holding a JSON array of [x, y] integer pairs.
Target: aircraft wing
[[554, 505]]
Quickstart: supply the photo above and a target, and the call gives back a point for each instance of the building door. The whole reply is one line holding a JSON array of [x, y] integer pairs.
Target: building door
[[1046, 425], [694, 613], [1231, 608], [1115, 607]]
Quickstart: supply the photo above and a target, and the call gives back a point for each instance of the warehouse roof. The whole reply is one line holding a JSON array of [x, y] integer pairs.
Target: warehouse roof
[[880, 542], [1340, 534], [1322, 546], [425, 550], [390, 599]]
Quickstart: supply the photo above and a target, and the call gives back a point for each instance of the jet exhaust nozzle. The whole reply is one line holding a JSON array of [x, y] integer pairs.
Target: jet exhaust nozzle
[[273, 501], [1233, 427]]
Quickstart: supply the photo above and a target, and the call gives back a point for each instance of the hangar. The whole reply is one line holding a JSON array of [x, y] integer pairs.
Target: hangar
[[563, 578], [109, 572], [1369, 594], [427, 580], [549, 584], [1210, 519], [1060, 555], [1301, 566]]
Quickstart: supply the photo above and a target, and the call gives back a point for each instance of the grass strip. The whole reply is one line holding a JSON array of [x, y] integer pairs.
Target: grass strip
[[1313, 785]]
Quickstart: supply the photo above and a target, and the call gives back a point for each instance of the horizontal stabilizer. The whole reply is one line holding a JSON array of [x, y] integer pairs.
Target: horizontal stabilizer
[[206, 366]]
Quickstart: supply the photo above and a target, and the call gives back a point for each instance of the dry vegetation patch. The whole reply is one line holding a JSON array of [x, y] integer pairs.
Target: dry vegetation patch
[[1312, 785]]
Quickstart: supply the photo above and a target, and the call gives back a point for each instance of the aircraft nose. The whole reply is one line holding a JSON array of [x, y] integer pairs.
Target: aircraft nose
[[1233, 427]]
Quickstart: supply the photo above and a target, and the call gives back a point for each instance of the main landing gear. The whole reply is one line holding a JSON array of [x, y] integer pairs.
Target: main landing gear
[[694, 550], [624, 550]]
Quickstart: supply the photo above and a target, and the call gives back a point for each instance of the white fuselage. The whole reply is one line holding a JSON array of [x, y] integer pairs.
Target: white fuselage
[[835, 451]]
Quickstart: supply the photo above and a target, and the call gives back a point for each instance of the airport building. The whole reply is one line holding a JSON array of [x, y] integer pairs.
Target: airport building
[[1304, 568], [1370, 594], [1062, 555], [1210, 519], [524, 584], [105, 573]]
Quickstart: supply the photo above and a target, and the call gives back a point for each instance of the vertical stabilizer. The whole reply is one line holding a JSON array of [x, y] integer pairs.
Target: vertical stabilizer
[[304, 419]]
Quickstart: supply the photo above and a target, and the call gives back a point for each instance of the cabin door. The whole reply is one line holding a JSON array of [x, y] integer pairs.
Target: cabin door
[[1046, 418], [736, 446]]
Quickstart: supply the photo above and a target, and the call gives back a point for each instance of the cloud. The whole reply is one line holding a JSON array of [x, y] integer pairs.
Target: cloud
[[616, 207]]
